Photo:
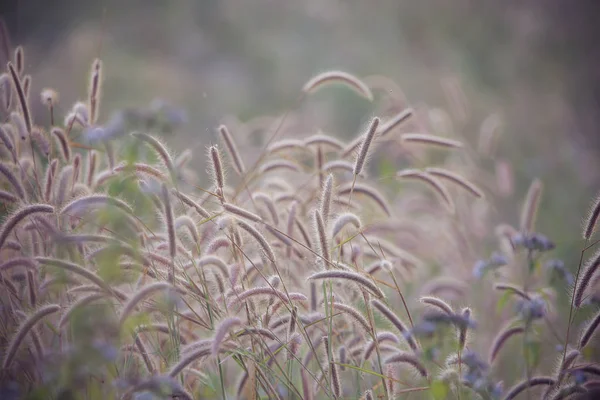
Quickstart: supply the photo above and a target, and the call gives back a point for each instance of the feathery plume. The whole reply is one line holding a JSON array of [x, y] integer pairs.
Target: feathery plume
[[567, 391], [325, 200], [240, 212], [83, 204], [94, 90], [217, 167], [513, 289], [361, 321], [269, 204], [292, 324], [13, 220], [530, 206], [381, 337], [383, 309], [438, 303], [463, 330], [13, 180], [313, 296], [65, 184], [431, 181], [290, 225], [7, 139], [321, 236], [256, 331], [38, 137], [214, 245], [501, 338], [588, 331], [360, 188], [183, 159], [238, 164], [91, 169], [341, 165], [457, 179], [191, 203], [21, 95], [348, 275], [266, 291], [563, 367], [28, 263], [160, 148], [351, 148], [342, 357], [77, 305], [168, 210], [336, 385], [286, 144], [304, 233], [49, 97], [185, 221], [323, 140], [216, 261], [5, 91], [396, 121], [24, 329], [408, 359], [423, 138], [139, 296], [526, 384], [26, 82], [76, 269], [221, 330], [8, 197], [278, 164], [187, 360], [31, 286], [345, 78], [139, 168], [307, 390], [344, 219], [63, 143], [378, 265], [76, 167], [266, 247], [589, 225], [364, 147], [20, 60]]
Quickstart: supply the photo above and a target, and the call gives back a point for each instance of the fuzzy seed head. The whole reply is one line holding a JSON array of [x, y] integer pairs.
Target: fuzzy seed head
[[364, 147], [217, 167]]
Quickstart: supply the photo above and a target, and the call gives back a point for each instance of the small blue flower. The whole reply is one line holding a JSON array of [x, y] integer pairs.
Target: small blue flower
[[579, 377], [533, 241], [482, 266], [479, 269], [557, 268], [107, 350], [497, 260], [559, 348], [534, 308]]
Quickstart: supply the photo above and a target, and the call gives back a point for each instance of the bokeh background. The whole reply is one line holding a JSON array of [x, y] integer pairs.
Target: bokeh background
[[534, 64]]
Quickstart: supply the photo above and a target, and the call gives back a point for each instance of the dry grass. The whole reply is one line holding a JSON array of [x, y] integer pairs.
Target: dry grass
[[106, 295]]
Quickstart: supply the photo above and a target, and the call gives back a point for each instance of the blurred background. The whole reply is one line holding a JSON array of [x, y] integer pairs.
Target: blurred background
[[531, 64]]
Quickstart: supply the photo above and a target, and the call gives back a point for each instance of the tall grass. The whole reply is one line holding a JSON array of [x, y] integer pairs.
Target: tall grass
[[128, 278]]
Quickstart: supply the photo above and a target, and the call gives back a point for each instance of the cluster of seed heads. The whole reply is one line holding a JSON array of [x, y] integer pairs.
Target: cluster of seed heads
[[168, 286]]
